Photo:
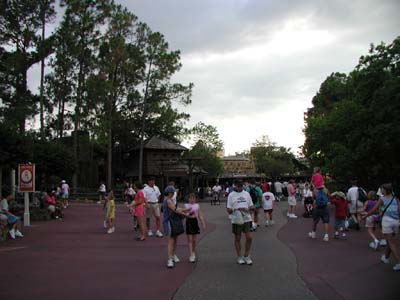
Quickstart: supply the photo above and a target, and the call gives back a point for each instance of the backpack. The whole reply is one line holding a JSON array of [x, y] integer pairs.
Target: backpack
[[322, 198], [362, 195], [253, 194]]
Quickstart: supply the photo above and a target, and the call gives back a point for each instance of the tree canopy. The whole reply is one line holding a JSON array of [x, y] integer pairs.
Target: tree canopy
[[109, 74], [353, 127]]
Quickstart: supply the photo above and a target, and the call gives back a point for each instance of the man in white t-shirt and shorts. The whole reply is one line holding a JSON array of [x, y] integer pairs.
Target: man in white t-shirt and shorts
[[239, 207], [152, 195]]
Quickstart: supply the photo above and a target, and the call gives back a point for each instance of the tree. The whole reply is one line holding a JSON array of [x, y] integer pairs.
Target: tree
[[156, 91], [351, 131], [208, 135], [272, 160], [20, 23], [82, 19], [206, 158]]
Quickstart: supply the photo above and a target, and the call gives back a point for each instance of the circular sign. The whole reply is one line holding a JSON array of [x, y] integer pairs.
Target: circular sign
[[26, 176]]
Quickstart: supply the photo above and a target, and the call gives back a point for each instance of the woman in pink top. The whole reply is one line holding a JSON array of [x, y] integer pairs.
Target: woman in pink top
[[137, 207], [193, 214]]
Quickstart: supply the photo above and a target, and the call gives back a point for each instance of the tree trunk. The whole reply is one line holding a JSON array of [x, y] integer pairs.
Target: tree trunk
[[42, 76]]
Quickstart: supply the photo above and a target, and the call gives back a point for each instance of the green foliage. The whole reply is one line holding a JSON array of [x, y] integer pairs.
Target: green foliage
[[272, 160], [206, 158], [207, 135], [109, 72], [352, 128]]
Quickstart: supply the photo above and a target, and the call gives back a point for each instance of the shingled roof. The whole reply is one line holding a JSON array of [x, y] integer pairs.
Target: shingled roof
[[159, 143]]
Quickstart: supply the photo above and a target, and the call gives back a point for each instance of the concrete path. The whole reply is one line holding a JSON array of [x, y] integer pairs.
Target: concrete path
[[273, 274]]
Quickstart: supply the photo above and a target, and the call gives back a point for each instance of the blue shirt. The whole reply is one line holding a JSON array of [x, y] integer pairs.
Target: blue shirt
[[393, 210]]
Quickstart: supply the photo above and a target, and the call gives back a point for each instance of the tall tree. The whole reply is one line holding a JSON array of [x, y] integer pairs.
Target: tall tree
[[83, 19], [20, 24], [355, 136], [156, 90]]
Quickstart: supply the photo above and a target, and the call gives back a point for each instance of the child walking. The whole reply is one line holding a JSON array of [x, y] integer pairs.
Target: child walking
[[110, 215], [268, 204], [339, 200], [372, 220], [193, 215]]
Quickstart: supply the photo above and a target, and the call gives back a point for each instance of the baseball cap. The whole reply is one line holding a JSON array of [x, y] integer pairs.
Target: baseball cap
[[169, 189]]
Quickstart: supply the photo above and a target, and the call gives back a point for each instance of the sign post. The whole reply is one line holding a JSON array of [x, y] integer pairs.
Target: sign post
[[26, 184]]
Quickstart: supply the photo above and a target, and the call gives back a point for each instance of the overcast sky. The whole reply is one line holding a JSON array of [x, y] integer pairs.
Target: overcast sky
[[256, 64]]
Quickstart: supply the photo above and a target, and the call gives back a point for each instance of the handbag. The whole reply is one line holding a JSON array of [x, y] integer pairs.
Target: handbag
[[176, 224], [383, 212], [237, 218]]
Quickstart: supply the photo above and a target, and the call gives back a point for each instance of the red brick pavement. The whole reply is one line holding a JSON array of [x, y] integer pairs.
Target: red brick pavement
[[76, 259]]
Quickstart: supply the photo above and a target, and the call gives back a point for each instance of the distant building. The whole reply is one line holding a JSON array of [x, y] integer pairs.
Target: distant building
[[238, 166]]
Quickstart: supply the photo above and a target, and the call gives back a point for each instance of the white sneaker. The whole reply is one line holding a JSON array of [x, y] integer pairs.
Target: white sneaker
[[344, 236], [376, 245], [170, 263], [266, 223], [110, 230], [12, 233], [192, 258], [254, 226], [384, 259], [372, 245], [311, 234], [396, 267], [293, 216], [240, 260], [175, 259], [288, 215], [248, 260], [150, 233], [113, 229], [383, 242], [336, 235], [18, 233], [159, 234], [326, 238], [105, 224]]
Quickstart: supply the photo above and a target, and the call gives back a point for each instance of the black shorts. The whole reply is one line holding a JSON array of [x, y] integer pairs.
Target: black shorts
[[238, 229], [192, 226], [321, 212]]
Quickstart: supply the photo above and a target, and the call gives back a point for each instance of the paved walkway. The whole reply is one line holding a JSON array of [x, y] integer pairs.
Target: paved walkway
[[75, 259]]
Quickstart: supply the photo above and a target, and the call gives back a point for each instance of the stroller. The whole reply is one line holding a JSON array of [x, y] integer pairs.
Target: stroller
[[308, 207]]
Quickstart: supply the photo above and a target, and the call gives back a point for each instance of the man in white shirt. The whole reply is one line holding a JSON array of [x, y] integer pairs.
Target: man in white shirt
[[278, 190], [355, 206], [152, 195], [239, 207], [216, 193]]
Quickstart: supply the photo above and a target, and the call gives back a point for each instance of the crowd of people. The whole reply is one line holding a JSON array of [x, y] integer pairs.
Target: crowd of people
[[143, 202], [247, 202]]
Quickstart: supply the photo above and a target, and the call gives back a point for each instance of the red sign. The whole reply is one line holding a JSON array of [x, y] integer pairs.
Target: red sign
[[26, 178]]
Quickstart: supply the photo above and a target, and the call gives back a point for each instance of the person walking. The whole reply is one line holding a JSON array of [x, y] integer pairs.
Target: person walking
[[240, 207], [110, 214], [291, 199], [65, 193], [268, 205], [102, 192], [193, 216], [356, 207], [152, 195], [137, 208], [372, 220], [390, 206], [172, 223], [339, 200]]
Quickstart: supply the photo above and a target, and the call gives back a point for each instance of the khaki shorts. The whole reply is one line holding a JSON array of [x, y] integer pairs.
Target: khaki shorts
[[153, 209], [292, 201], [390, 225]]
